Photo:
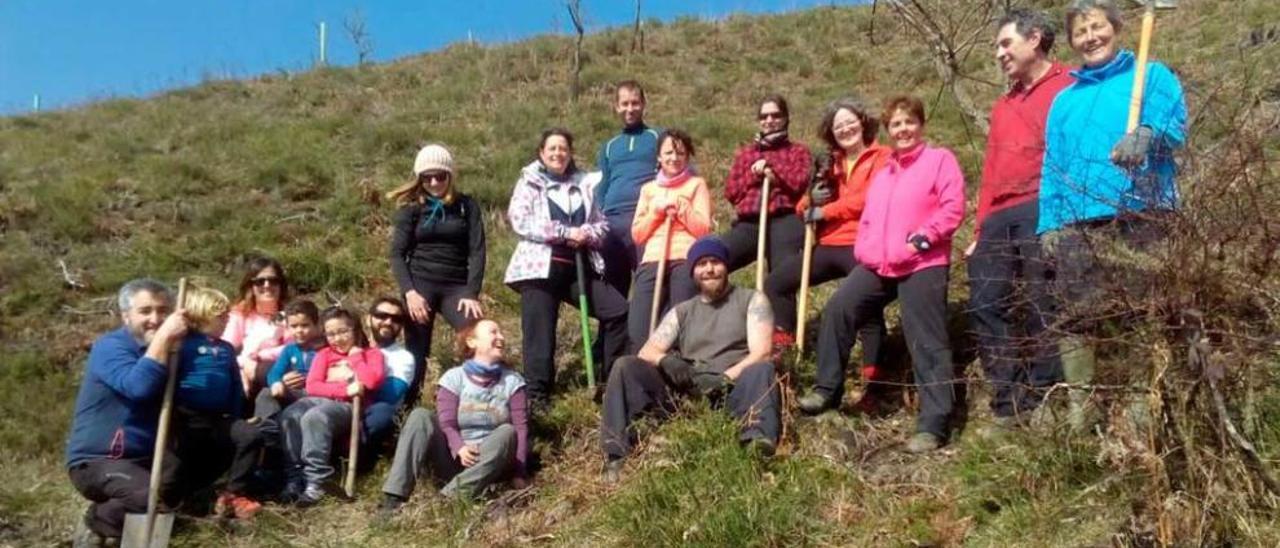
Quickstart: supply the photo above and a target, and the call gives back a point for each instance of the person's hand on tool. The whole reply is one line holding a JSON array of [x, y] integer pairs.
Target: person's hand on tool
[[821, 194], [758, 167], [576, 237], [470, 308], [419, 310], [468, 455], [355, 388], [1132, 149]]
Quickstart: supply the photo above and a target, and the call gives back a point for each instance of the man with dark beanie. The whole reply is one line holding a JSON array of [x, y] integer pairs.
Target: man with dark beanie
[[725, 360]]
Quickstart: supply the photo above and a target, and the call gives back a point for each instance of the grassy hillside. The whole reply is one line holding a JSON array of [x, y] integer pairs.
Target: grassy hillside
[[194, 181]]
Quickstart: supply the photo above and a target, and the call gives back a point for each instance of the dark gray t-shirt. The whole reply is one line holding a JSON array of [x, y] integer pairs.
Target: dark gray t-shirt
[[714, 333]]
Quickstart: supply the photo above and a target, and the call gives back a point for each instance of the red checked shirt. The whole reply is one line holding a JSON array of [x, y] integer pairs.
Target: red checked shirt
[[790, 162], [1015, 145]]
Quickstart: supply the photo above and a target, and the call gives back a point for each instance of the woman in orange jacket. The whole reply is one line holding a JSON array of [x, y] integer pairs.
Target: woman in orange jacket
[[679, 196]]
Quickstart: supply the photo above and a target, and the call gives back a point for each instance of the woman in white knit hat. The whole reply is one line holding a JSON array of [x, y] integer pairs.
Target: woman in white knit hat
[[437, 254]]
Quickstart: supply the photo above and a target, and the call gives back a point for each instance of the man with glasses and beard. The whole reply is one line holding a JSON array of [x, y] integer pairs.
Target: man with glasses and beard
[[724, 360], [386, 322]]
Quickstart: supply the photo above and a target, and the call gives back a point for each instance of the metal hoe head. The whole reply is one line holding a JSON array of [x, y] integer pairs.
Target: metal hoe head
[[135, 531]]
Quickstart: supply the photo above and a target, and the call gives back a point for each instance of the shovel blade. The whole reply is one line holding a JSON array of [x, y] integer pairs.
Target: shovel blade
[[135, 531]]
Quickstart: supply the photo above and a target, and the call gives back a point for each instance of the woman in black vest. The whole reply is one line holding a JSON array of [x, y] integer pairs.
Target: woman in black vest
[[437, 254]]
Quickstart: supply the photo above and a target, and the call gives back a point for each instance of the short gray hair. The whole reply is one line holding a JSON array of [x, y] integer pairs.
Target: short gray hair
[[1080, 7], [124, 298], [1027, 21]]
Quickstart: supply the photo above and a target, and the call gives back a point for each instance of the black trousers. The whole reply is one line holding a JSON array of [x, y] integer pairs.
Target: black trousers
[[677, 286], [923, 295], [540, 311], [621, 257], [828, 263], [206, 445], [443, 299], [1008, 318], [784, 235], [636, 389], [117, 487]]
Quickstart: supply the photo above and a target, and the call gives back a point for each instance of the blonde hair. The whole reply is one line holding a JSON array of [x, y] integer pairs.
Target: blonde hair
[[205, 304]]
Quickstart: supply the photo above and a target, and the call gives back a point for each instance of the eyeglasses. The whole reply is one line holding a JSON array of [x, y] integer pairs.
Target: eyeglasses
[[847, 129], [263, 281], [338, 333], [380, 315], [772, 115], [434, 176]]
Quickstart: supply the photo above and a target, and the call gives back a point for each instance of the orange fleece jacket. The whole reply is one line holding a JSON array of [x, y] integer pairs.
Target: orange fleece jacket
[[692, 217], [839, 225]]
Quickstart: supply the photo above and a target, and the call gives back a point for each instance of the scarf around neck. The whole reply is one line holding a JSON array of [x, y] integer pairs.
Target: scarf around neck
[[769, 141], [485, 373], [672, 182]]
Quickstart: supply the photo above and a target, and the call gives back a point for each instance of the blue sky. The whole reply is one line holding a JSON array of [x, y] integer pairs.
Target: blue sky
[[71, 52]]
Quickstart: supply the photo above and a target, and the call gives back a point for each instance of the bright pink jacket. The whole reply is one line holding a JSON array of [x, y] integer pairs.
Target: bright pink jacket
[[920, 191], [367, 363]]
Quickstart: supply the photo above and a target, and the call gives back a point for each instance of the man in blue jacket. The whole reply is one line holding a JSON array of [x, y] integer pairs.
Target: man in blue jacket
[[626, 163], [113, 431], [1104, 188]]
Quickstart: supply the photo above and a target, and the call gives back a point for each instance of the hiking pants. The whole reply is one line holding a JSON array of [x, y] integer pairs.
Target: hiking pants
[[828, 263], [540, 311], [1007, 318], [266, 406], [637, 389], [117, 487], [443, 299], [619, 252], [208, 444], [422, 445], [863, 295], [784, 238], [677, 287]]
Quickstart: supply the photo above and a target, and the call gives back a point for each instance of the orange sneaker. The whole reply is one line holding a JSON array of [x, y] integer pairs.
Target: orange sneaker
[[245, 507], [223, 506]]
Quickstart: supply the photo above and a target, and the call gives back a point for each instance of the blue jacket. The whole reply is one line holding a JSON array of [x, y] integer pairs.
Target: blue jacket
[[1078, 180], [626, 162], [292, 358], [119, 402], [208, 376]]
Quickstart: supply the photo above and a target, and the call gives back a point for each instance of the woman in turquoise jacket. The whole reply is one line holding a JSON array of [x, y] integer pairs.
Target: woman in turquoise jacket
[[1103, 188]]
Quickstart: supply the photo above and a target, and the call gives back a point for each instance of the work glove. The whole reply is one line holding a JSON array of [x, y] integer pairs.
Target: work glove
[[1133, 148], [813, 214], [821, 194], [712, 385], [677, 371]]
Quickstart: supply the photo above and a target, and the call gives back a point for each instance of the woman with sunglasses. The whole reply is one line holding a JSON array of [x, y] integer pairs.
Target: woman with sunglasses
[[437, 254], [773, 155], [253, 328]]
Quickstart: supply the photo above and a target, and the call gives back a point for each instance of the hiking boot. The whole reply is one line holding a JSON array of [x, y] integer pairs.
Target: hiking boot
[[923, 442], [84, 537], [243, 507], [613, 471], [222, 507], [311, 496], [1002, 425], [814, 403], [390, 505], [761, 448]]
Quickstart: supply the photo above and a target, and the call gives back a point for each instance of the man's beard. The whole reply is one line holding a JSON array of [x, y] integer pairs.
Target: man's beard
[[712, 288], [386, 336]]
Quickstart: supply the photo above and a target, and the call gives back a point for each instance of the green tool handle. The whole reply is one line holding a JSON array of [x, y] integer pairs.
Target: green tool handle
[[586, 327]]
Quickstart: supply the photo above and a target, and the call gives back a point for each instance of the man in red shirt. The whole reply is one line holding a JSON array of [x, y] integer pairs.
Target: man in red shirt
[[1005, 247]]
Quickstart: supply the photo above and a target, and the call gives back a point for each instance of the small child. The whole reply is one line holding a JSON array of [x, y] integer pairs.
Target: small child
[[209, 435], [346, 368], [287, 378], [683, 197]]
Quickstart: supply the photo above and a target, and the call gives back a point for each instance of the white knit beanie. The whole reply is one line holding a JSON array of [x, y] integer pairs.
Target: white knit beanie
[[433, 158]]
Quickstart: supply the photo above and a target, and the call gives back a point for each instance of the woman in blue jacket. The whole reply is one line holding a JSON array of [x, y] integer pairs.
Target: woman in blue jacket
[[1104, 188]]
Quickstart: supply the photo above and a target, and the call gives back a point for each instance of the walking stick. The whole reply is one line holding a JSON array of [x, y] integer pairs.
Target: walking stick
[[1140, 70], [662, 273], [582, 314], [162, 432], [822, 166], [764, 221], [353, 452]]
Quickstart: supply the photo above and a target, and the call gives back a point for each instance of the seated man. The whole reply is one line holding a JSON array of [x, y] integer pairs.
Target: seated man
[[113, 433], [723, 359], [386, 322]]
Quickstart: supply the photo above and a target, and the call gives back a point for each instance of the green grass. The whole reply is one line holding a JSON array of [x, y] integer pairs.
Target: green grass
[[194, 181]]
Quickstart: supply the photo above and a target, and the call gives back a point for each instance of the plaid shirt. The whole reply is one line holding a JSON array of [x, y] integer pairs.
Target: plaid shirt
[[790, 162]]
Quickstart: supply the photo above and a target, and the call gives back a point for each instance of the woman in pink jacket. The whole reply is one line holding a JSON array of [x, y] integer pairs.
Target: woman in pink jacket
[[914, 205], [253, 327]]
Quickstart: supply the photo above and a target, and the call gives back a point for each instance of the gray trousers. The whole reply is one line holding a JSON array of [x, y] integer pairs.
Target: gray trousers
[[422, 444], [328, 419], [637, 389]]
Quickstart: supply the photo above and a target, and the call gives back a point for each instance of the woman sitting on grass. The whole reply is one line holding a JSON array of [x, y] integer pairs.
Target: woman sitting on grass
[[479, 433], [253, 328], [682, 197]]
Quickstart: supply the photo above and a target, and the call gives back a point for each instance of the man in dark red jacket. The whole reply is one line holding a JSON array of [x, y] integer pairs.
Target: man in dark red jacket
[[1005, 248]]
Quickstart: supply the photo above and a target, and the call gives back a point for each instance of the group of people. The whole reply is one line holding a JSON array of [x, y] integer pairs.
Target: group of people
[[1063, 173]]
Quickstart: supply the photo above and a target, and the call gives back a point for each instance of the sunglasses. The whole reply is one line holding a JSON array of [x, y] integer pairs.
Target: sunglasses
[[263, 281], [380, 315], [438, 176], [773, 115]]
